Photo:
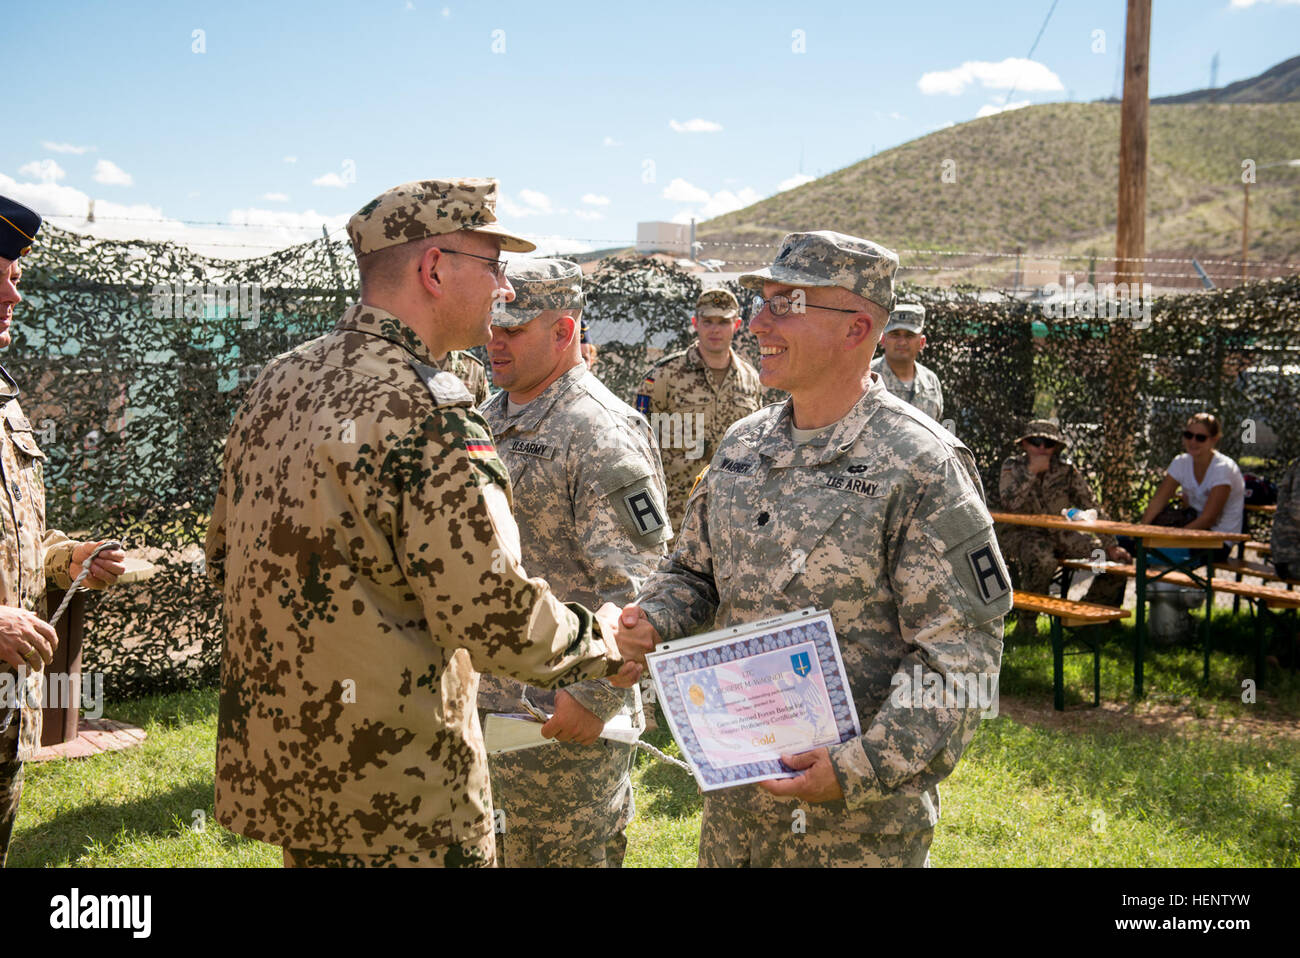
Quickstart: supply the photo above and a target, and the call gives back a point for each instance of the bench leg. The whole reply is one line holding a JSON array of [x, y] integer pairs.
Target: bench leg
[[1260, 664], [1096, 674], [1058, 665], [1209, 612]]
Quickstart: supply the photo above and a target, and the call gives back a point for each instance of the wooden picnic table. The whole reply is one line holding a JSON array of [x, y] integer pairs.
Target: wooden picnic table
[[59, 721], [1147, 539]]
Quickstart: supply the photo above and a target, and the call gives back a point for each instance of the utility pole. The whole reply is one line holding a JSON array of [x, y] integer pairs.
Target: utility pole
[[1120, 416]]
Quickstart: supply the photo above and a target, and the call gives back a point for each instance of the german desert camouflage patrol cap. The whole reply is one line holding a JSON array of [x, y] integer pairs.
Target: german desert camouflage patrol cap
[[909, 316], [717, 302], [540, 284], [826, 258], [18, 228], [423, 208]]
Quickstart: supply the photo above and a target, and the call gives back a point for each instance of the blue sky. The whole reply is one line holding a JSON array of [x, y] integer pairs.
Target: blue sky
[[592, 115]]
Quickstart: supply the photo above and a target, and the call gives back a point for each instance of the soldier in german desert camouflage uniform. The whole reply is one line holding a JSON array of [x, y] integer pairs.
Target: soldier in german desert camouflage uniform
[[847, 499], [589, 497], [30, 554], [692, 397], [363, 538]]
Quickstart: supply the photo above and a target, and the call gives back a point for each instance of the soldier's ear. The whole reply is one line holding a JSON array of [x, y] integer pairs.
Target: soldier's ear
[[428, 267]]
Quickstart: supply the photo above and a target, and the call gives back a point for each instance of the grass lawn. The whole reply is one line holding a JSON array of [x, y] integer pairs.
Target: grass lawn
[[1187, 777]]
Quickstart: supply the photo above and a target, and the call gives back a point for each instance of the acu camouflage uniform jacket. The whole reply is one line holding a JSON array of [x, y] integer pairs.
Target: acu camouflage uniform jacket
[[29, 556], [363, 539], [927, 393], [589, 491], [883, 524], [678, 387], [1286, 522]]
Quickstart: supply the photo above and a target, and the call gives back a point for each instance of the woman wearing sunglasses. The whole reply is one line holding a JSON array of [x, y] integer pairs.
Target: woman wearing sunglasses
[[1210, 481]]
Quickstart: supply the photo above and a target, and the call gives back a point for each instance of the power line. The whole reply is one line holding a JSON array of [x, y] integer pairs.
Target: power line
[[1030, 54]]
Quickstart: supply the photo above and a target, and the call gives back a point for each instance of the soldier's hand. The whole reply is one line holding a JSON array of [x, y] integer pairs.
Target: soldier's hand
[[626, 677], [635, 635], [817, 783], [1118, 554], [572, 722], [26, 640], [1039, 462], [103, 571]]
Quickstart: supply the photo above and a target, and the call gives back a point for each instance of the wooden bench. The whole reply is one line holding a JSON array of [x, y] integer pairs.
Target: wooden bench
[[1263, 548], [1265, 597], [1067, 614], [1260, 570]]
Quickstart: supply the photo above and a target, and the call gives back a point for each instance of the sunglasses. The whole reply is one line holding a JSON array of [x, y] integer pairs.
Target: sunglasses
[[1041, 443], [1197, 436]]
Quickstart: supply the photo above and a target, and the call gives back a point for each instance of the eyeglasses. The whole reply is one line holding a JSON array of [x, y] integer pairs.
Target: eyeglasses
[[781, 304], [1040, 443], [498, 264], [1195, 436]]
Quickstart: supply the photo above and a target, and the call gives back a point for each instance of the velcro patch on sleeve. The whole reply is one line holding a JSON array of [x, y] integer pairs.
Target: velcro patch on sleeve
[[643, 404], [990, 576], [642, 511]]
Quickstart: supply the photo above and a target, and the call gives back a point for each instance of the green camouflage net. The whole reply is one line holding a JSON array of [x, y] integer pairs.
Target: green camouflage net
[[133, 357]]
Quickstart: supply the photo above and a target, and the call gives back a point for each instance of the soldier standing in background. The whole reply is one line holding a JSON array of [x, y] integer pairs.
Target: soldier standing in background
[[370, 565], [30, 554], [589, 497], [466, 367], [1285, 538], [903, 375], [692, 397], [842, 498]]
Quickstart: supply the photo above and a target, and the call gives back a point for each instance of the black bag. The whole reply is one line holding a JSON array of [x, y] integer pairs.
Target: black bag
[[1172, 515], [1259, 491]]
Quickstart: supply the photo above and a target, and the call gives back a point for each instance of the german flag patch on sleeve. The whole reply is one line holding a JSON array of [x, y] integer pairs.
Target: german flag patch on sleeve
[[480, 449]]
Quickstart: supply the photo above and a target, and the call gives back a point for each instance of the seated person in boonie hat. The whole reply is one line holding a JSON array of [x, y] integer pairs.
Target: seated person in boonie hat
[[1037, 481]]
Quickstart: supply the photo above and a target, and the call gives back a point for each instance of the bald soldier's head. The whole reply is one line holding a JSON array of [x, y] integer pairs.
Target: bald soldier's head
[[429, 253], [826, 299]]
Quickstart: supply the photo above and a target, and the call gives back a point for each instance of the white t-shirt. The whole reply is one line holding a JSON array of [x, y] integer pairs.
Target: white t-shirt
[[1222, 471]]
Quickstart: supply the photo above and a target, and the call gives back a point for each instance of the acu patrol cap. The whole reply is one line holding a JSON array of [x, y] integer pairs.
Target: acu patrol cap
[[826, 258], [909, 316], [717, 302], [18, 228], [540, 285], [423, 208]]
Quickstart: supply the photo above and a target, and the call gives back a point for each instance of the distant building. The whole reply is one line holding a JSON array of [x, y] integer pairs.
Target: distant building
[[659, 237]]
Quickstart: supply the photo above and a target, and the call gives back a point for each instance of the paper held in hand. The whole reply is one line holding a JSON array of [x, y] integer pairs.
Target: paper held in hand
[[510, 732], [739, 698]]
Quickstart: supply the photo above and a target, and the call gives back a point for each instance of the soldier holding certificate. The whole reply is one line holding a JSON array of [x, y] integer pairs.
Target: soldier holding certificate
[[847, 499]]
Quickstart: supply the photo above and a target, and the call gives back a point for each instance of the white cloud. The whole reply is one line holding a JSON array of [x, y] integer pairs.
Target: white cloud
[[589, 214], [291, 159], [47, 171], [682, 192], [529, 203], [991, 108], [410, 5], [536, 202], [330, 179], [790, 182], [276, 197], [610, 141], [1026, 75], [110, 174], [1242, 4], [895, 115], [696, 125], [65, 147], [592, 199], [446, 11]]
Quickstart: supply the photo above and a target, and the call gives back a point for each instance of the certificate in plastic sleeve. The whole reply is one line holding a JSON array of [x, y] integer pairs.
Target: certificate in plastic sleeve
[[739, 698]]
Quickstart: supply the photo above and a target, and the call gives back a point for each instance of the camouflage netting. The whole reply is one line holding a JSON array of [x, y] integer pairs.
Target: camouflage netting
[[131, 396]]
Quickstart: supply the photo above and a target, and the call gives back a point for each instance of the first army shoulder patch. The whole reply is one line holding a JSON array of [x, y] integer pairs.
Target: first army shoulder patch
[[641, 508], [989, 574]]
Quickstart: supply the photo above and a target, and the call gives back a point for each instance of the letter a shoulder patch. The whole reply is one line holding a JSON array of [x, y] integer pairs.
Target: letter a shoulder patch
[[990, 576], [646, 516]]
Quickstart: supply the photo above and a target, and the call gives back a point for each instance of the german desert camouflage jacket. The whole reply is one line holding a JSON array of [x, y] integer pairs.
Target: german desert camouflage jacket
[[928, 393], [589, 494], [363, 539], [1062, 486], [30, 555], [882, 523], [678, 397]]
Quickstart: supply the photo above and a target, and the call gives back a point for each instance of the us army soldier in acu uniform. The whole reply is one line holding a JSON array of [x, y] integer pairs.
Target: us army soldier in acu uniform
[[905, 377], [30, 554], [589, 497], [363, 539], [847, 499], [692, 397]]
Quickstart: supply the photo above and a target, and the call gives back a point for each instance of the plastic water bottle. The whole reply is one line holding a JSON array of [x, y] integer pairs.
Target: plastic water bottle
[[1080, 515]]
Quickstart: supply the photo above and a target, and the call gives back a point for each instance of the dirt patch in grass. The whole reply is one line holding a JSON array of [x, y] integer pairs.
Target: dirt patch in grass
[[1170, 718]]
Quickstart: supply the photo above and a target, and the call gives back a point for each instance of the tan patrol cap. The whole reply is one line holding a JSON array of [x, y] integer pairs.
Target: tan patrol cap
[[423, 208], [717, 302], [826, 258]]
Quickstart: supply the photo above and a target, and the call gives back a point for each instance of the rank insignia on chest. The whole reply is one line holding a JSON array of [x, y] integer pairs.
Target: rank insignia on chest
[[480, 449], [530, 447], [736, 467], [855, 484]]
